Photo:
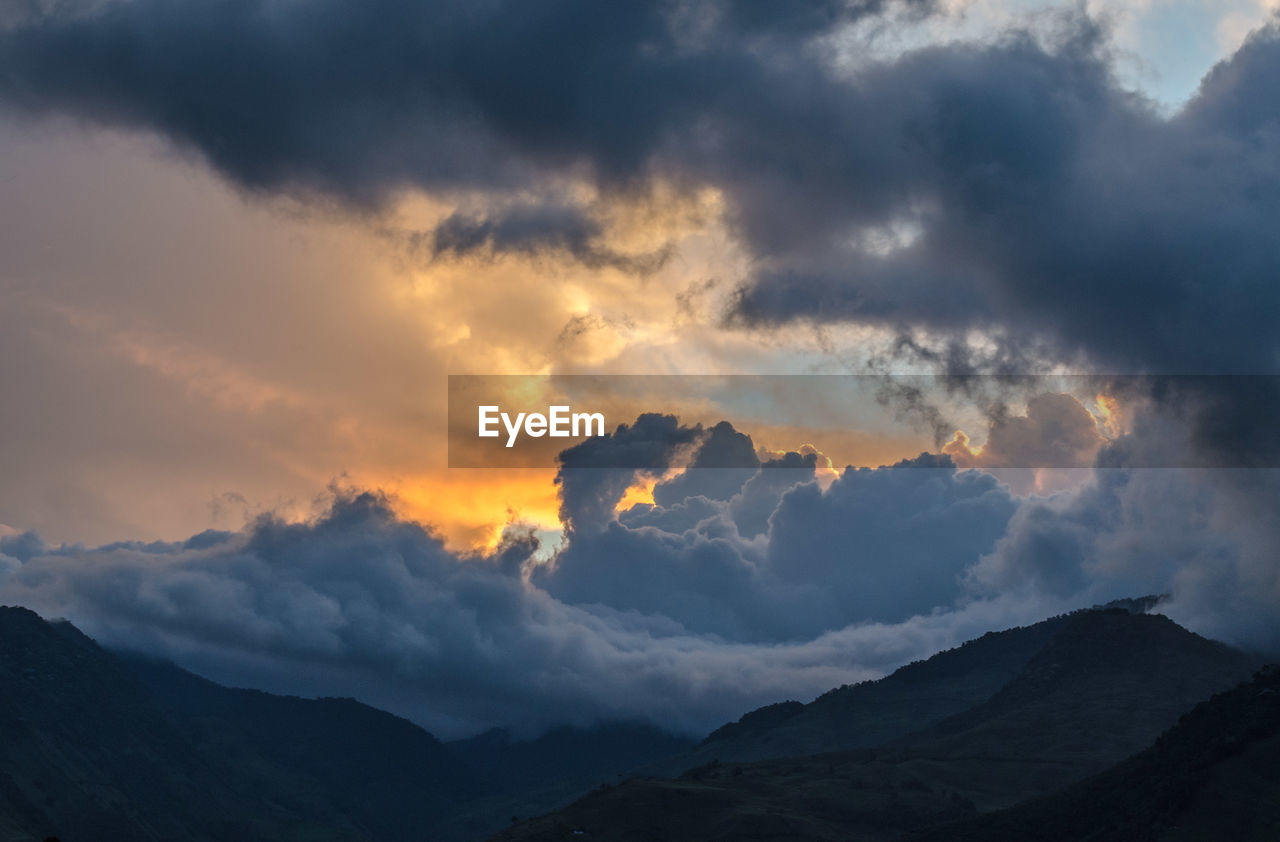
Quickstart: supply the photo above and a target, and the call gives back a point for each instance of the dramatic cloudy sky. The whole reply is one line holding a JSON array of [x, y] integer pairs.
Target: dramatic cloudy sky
[[243, 243]]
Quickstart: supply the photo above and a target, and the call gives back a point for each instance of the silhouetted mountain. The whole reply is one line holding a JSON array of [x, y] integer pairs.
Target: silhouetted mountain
[[1089, 689], [386, 776], [1214, 775], [85, 753], [100, 746], [591, 755], [1105, 686], [528, 777], [873, 712]]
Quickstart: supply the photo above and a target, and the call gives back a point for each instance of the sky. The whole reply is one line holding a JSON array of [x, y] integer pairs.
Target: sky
[[245, 243]]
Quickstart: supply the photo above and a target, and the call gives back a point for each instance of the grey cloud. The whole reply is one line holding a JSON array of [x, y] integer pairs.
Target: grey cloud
[[358, 602], [1059, 211], [881, 544], [1013, 186], [362, 100], [1057, 431], [23, 545], [752, 507], [535, 230], [596, 473], [675, 518], [1201, 534], [724, 461], [670, 612], [887, 543], [1051, 444]]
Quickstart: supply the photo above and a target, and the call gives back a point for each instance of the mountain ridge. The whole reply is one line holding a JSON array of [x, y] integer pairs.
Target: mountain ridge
[[97, 744], [1102, 685]]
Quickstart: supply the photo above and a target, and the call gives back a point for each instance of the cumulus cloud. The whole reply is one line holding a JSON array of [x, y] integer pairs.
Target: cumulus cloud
[[752, 507], [725, 461], [359, 602], [876, 545], [1057, 431], [597, 472], [1048, 448], [669, 611]]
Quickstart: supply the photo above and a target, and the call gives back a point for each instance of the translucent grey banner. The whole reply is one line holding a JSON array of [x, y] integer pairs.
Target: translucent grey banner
[[642, 422]]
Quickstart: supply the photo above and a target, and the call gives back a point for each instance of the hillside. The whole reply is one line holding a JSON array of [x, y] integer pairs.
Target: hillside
[[85, 753], [873, 712], [1102, 685], [98, 745], [1215, 775], [384, 775]]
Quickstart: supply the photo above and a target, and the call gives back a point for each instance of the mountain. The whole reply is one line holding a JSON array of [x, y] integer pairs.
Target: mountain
[[392, 778], [1091, 688], [100, 745], [874, 712], [529, 777], [579, 758], [381, 774], [85, 753], [1214, 775]]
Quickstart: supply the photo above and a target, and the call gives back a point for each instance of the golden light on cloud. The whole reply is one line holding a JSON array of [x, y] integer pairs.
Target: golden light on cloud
[[470, 508], [1110, 415], [639, 494], [837, 447], [960, 451]]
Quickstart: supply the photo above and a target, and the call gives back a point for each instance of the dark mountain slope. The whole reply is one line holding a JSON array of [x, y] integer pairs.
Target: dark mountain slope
[[97, 746], [390, 777], [1102, 685], [581, 758], [874, 712], [529, 777], [387, 776], [1215, 775], [1105, 686], [86, 754]]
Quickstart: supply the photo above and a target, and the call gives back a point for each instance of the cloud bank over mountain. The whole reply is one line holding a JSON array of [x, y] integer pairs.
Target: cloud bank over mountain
[[669, 611], [999, 205]]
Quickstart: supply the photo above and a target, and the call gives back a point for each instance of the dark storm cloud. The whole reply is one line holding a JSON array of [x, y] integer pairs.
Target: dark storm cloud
[[536, 230], [1062, 213], [362, 99], [1012, 186], [887, 543]]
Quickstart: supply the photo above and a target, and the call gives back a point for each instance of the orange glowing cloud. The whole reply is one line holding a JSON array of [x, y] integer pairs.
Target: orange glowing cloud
[[470, 508]]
